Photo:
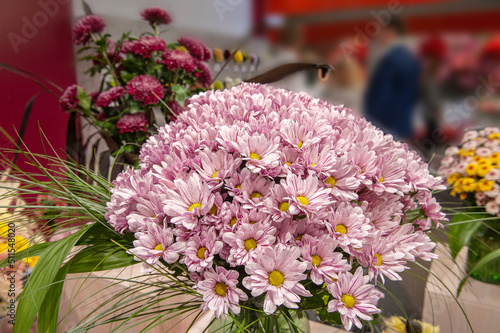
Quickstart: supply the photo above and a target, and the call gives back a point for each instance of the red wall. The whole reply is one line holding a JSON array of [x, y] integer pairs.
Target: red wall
[[35, 35]]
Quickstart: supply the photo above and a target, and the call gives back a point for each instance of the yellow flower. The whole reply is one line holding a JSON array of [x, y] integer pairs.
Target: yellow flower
[[483, 169], [31, 261], [218, 55], [469, 184], [462, 152], [494, 136], [485, 185], [471, 169], [428, 328], [395, 324], [182, 48], [495, 158], [453, 178], [238, 57], [218, 85]]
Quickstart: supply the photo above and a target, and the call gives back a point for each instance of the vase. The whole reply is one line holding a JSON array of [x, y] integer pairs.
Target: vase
[[481, 245], [289, 321]]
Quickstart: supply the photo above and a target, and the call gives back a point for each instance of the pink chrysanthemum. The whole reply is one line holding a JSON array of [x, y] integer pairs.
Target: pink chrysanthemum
[[131, 123], [146, 89], [247, 242], [306, 195], [69, 99], [110, 96], [200, 251], [147, 45], [354, 298], [157, 242], [220, 291], [156, 16], [325, 264], [85, 27], [175, 59], [277, 272]]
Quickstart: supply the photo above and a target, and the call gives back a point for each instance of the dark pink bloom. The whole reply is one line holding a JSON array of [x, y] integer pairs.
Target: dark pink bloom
[[85, 26], [205, 76], [146, 45], [145, 88], [175, 107], [107, 97], [155, 16], [69, 99], [131, 123], [196, 48], [127, 46], [175, 59]]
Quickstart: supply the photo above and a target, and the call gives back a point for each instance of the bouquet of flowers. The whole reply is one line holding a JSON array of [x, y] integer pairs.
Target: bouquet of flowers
[[259, 203], [472, 172], [144, 80]]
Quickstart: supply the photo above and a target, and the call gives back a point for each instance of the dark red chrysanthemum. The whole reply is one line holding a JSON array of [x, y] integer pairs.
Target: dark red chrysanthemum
[[205, 76], [155, 16], [85, 26], [145, 88], [196, 48], [131, 123], [69, 99], [175, 59], [107, 97], [146, 45]]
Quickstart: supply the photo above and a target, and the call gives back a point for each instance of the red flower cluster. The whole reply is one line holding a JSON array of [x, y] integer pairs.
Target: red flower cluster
[[146, 89], [107, 97], [175, 59], [131, 123], [196, 48], [146, 45], [69, 99], [155, 16], [85, 26]]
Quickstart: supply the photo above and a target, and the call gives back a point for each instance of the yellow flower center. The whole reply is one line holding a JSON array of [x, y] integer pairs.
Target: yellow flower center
[[340, 228], [201, 252], [252, 222], [303, 200], [379, 259], [316, 260], [381, 179], [221, 289], [276, 278], [254, 156], [213, 210], [299, 237], [300, 144], [283, 206], [238, 187], [233, 221], [250, 244], [348, 300], [288, 163], [214, 175], [330, 181], [159, 247], [193, 206], [255, 195]]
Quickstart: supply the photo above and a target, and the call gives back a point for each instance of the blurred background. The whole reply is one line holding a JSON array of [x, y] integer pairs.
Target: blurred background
[[423, 70]]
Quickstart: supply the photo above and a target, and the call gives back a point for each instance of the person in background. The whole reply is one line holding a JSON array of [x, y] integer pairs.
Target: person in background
[[433, 51], [393, 85]]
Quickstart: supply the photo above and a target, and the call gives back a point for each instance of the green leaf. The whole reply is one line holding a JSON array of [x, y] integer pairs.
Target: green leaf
[[100, 257], [84, 101], [44, 273], [47, 321], [181, 93], [32, 251], [460, 234], [486, 259]]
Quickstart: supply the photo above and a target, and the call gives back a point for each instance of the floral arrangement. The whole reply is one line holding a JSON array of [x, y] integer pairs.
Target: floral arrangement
[[256, 203], [472, 172], [272, 200], [145, 81]]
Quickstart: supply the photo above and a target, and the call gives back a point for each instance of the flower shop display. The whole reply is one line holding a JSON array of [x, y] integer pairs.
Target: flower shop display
[[145, 81], [260, 204], [472, 172]]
